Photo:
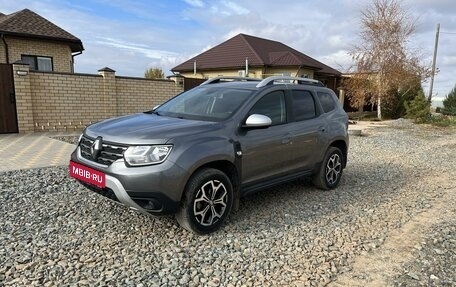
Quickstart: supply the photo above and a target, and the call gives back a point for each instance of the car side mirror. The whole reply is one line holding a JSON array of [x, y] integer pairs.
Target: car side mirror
[[257, 121]]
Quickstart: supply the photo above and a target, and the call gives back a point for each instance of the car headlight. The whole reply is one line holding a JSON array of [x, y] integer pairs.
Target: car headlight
[[145, 155]]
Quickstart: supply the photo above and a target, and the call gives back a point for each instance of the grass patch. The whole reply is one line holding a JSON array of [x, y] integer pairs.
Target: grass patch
[[441, 121]]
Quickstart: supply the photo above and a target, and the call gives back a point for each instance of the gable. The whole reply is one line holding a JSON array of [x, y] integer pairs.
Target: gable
[[26, 23], [232, 54]]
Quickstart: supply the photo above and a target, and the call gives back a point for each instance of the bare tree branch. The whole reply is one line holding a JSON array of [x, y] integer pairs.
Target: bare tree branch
[[383, 61]]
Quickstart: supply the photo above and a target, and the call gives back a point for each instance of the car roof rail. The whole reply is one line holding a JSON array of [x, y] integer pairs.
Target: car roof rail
[[296, 80], [222, 78]]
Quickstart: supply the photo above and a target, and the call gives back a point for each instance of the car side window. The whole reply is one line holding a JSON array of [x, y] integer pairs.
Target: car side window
[[303, 105], [327, 101], [273, 106]]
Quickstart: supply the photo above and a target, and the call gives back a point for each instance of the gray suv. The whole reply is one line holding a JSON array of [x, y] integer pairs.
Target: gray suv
[[197, 154]]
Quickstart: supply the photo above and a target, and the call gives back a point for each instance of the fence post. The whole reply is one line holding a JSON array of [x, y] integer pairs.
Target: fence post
[[110, 107], [23, 93]]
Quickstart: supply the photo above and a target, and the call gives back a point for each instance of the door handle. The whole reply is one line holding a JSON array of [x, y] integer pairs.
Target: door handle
[[12, 98]]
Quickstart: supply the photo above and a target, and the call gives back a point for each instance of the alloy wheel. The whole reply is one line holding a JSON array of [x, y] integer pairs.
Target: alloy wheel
[[210, 202], [333, 168]]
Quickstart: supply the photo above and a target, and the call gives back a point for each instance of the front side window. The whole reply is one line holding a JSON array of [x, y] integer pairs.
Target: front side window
[[205, 103], [38, 63], [273, 106], [327, 101], [303, 105]]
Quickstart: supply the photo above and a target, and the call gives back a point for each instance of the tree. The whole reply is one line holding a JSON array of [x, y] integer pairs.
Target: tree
[[383, 62], [394, 108], [449, 103], [154, 73], [418, 108]]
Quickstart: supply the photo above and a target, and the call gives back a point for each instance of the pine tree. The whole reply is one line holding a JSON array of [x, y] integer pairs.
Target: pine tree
[[449, 103], [418, 108]]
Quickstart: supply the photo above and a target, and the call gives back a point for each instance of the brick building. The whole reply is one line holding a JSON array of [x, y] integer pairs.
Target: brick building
[[245, 55], [30, 38], [39, 90]]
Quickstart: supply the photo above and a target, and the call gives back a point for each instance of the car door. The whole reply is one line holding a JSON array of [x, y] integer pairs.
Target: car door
[[265, 151], [306, 128]]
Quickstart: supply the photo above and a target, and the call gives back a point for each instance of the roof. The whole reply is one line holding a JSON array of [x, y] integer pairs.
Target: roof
[[26, 23], [259, 52]]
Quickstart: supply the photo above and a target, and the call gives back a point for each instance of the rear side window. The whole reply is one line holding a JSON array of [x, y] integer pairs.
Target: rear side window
[[327, 101], [303, 105], [273, 106]]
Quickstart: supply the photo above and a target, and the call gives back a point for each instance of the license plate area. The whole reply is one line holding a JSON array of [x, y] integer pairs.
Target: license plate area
[[87, 174]]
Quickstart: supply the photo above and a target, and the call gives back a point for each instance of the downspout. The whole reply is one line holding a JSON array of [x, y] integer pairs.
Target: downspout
[[6, 48], [72, 60]]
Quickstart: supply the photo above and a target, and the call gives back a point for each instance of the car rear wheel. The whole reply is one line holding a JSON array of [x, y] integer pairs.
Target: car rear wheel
[[330, 172], [207, 201]]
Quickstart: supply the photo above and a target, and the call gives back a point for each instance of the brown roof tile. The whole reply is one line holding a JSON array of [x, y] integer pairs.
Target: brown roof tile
[[26, 23], [260, 52]]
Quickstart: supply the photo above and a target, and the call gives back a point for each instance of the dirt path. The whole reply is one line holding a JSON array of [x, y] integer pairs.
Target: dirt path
[[379, 267]]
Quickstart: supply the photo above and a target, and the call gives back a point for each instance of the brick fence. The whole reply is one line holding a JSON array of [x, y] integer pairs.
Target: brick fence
[[51, 101]]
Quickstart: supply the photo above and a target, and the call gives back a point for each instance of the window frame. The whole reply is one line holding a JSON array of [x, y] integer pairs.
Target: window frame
[[35, 59]]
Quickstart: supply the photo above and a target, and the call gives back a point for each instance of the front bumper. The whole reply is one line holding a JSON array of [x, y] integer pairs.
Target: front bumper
[[154, 189]]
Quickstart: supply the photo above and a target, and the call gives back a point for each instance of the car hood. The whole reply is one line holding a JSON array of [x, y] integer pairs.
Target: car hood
[[146, 129]]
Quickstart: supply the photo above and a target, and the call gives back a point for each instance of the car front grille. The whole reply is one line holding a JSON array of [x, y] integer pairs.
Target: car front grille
[[107, 155]]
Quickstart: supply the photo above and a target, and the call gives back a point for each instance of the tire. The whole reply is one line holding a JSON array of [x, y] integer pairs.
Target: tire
[[330, 172], [201, 210]]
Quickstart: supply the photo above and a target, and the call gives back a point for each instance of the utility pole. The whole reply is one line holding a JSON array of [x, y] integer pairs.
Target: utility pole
[[433, 62]]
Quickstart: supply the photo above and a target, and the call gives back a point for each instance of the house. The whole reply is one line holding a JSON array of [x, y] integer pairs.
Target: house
[[40, 92], [26, 36], [245, 55]]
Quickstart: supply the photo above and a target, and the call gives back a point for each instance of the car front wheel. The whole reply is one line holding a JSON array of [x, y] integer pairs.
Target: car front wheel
[[330, 172], [207, 201]]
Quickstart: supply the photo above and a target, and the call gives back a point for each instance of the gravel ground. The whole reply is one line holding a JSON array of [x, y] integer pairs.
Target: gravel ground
[[435, 259], [56, 233], [67, 139]]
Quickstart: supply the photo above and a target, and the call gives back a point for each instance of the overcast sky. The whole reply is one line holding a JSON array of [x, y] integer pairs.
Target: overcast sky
[[131, 35]]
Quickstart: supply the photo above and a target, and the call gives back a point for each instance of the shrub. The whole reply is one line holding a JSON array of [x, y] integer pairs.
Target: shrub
[[443, 121], [449, 103], [449, 111], [394, 108], [418, 108]]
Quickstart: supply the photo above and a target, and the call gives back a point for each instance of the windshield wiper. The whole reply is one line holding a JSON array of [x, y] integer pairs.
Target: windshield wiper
[[152, 112]]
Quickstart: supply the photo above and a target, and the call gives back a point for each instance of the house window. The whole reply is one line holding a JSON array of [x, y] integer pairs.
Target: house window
[[38, 63], [283, 74]]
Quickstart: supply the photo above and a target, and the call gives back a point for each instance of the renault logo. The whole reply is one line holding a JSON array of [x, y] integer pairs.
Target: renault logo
[[96, 148]]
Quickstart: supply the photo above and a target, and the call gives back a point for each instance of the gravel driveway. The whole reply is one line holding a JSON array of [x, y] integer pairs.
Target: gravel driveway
[[391, 222]]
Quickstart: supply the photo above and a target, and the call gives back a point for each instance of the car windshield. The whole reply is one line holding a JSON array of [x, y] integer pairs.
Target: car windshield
[[205, 103]]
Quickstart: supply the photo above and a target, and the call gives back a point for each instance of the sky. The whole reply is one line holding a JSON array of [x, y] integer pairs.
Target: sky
[[131, 36]]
